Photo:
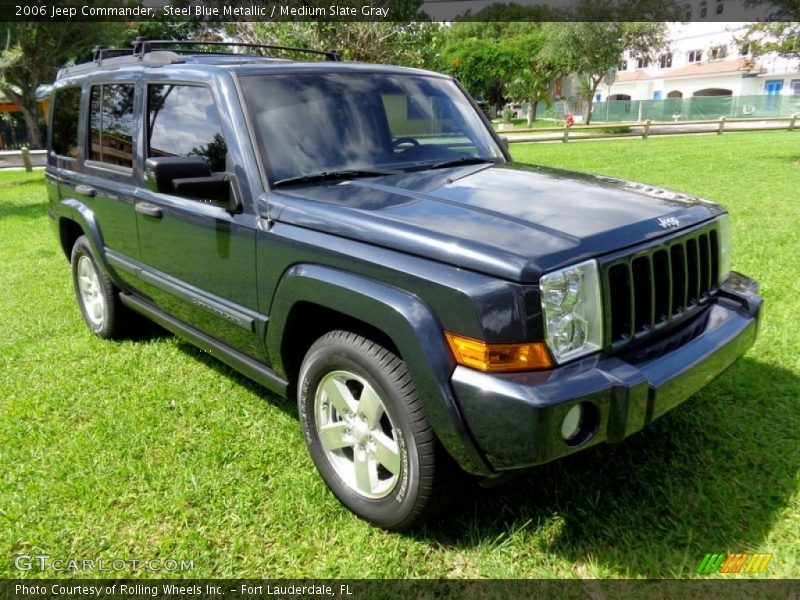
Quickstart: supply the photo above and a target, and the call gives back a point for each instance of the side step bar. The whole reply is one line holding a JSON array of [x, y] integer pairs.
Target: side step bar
[[241, 362]]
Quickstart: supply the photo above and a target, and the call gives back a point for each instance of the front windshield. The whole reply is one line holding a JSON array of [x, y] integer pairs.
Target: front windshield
[[312, 123]]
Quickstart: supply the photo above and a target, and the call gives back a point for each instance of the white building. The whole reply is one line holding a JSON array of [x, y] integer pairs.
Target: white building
[[703, 59]]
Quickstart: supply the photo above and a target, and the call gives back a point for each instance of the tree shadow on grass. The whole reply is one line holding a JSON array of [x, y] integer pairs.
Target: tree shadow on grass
[[145, 330], [26, 210], [23, 207], [712, 476], [220, 367]]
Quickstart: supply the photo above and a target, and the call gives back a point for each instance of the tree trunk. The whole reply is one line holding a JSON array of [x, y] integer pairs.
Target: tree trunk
[[31, 116], [532, 112], [587, 110]]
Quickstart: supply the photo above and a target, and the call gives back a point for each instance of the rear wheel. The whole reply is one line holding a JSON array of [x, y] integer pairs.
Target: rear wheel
[[367, 433], [97, 296]]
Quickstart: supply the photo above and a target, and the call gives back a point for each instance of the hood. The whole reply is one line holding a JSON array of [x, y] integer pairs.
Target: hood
[[509, 220]]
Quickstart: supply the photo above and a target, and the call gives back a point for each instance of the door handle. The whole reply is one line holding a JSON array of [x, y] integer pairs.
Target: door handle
[[149, 210], [85, 190]]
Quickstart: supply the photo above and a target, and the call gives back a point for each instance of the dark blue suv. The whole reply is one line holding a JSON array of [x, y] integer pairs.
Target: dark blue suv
[[358, 236]]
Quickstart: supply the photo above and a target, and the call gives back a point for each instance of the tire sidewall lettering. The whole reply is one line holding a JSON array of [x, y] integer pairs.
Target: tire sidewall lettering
[[403, 484]]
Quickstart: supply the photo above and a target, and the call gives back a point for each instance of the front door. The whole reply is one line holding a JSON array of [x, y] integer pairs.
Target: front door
[[198, 259], [772, 89]]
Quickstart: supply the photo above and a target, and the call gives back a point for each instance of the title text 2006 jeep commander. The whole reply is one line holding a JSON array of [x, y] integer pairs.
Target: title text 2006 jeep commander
[[358, 235]]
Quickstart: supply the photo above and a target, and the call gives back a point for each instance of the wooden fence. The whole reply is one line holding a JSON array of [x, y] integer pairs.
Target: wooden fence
[[647, 130]]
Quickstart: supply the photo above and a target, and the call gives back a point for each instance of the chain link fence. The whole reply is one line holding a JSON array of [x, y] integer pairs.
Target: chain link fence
[[676, 109], [696, 108]]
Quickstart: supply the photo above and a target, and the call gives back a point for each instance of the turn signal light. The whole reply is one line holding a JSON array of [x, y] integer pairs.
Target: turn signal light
[[498, 357]]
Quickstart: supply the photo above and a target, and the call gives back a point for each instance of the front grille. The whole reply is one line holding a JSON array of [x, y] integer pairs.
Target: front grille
[[662, 283]]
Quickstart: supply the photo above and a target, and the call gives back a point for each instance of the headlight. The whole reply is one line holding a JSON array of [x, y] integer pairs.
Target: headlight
[[573, 314], [725, 247]]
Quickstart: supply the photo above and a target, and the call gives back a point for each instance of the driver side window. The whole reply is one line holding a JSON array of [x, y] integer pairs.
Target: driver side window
[[182, 120], [417, 115], [420, 120]]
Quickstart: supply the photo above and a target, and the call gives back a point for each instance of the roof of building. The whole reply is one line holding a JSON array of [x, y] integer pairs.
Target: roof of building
[[625, 76], [717, 67]]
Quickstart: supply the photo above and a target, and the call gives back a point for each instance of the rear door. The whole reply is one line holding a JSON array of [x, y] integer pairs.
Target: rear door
[[198, 259], [98, 171]]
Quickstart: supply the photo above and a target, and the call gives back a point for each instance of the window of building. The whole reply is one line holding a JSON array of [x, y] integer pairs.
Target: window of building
[[190, 110], [795, 86], [66, 105], [720, 8], [642, 63], [773, 89], [718, 52], [623, 66], [657, 95], [111, 124], [665, 62], [695, 56], [703, 9], [687, 14]]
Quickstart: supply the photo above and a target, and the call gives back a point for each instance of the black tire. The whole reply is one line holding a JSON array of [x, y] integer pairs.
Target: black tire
[[425, 470], [110, 322]]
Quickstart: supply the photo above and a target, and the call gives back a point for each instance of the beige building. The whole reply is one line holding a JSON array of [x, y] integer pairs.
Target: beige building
[[704, 59]]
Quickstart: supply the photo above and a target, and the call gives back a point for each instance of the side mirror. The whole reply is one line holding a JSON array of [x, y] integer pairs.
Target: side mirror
[[504, 142], [190, 177]]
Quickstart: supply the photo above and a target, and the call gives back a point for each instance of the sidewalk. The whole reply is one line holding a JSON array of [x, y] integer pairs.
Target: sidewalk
[[13, 158]]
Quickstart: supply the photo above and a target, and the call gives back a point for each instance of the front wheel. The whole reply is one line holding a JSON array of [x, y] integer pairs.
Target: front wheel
[[367, 433]]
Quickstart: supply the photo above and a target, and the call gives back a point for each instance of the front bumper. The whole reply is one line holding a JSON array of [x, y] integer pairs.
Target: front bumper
[[516, 418]]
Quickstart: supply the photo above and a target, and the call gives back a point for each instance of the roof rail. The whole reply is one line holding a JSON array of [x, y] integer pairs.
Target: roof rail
[[141, 46], [100, 52]]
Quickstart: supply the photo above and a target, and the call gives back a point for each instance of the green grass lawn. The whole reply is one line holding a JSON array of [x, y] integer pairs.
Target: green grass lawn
[[149, 448]]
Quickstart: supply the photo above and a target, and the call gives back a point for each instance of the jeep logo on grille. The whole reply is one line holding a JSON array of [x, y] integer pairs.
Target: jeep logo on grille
[[667, 222]]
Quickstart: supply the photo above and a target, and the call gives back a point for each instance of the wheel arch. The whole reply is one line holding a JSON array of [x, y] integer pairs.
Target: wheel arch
[[396, 317], [76, 219], [68, 233]]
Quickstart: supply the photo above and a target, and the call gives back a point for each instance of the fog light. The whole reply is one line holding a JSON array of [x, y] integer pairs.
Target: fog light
[[571, 425], [580, 424]]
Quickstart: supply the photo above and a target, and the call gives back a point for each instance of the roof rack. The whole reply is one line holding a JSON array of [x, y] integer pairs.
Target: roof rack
[[141, 46], [150, 52], [100, 52]]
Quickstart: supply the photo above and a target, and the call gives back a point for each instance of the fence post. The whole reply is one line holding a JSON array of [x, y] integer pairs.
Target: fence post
[[26, 158], [721, 126], [646, 129], [792, 121], [566, 132]]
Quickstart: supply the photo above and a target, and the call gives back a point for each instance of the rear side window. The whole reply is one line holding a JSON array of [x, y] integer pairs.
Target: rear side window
[[111, 124], [66, 105], [183, 121]]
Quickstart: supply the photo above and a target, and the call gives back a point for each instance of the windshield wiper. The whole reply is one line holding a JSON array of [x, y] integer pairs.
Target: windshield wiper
[[332, 176], [464, 160]]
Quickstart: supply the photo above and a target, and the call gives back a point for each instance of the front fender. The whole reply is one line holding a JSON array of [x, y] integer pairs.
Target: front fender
[[407, 321]]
